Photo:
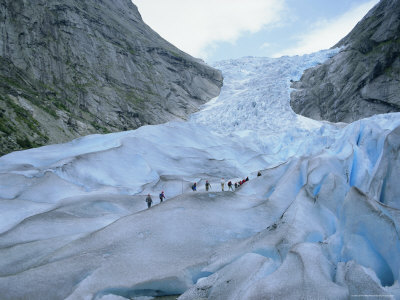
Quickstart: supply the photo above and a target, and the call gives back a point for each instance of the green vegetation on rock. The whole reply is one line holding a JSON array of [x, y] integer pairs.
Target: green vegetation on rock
[[85, 67]]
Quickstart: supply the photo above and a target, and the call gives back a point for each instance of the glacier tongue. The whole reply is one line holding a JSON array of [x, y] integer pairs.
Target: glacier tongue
[[321, 222]]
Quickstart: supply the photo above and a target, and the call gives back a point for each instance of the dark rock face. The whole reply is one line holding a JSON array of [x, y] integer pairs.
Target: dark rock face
[[363, 79], [70, 68]]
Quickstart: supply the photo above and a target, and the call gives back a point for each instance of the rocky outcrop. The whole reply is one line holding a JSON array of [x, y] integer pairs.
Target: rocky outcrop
[[363, 79], [70, 68]]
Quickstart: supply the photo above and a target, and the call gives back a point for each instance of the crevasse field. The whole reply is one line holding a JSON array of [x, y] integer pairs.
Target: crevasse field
[[322, 222]]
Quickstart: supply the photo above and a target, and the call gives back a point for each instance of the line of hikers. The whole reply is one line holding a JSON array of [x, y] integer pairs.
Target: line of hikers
[[237, 184], [229, 184]]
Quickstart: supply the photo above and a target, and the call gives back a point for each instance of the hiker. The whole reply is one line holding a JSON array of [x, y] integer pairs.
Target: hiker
[[162, 196], [230, 187], [194, 187], [208, 185], [222, 184], [258, 174], [236, 185], [247, 178], [149, 200]]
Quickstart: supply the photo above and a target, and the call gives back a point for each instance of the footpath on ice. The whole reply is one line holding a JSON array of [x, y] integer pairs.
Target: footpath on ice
[[321, 222]]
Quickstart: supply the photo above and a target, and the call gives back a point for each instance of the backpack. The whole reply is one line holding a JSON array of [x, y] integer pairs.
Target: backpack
[[229, 183]]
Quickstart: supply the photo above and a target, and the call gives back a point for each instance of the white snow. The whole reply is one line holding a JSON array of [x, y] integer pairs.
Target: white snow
[[321, 222]]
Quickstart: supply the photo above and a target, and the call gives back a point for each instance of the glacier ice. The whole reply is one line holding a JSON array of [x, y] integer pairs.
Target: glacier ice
[[322, 222]]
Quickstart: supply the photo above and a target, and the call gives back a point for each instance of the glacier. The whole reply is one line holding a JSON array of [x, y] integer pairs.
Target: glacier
[[321, 222]]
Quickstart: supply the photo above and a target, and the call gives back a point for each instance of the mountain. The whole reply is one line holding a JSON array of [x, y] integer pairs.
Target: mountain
[[363, 79], [321, 222], [71, 68]]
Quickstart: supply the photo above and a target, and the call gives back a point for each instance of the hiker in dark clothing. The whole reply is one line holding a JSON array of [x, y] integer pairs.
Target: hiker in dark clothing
[[247, 179], [236, 185], [230, 187], [162, 196], [194, 187], [149, 201], [208, 185]]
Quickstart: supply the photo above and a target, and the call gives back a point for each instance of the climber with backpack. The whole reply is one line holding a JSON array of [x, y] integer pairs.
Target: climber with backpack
[[194, 187], [162, 196], [208, 185], [230, 187]]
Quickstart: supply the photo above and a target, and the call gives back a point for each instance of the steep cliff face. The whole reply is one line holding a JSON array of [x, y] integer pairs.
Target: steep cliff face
[[363, 79], [70, 68]]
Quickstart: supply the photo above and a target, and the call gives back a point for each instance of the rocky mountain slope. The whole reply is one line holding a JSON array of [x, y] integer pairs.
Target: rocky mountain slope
[[70, 68], [363, 79]]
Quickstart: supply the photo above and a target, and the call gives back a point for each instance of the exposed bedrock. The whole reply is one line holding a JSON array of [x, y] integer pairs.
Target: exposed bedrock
[[363, 79], [71, 68]]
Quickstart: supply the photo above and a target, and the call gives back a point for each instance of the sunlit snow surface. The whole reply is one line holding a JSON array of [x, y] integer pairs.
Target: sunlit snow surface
[[322, 222]]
